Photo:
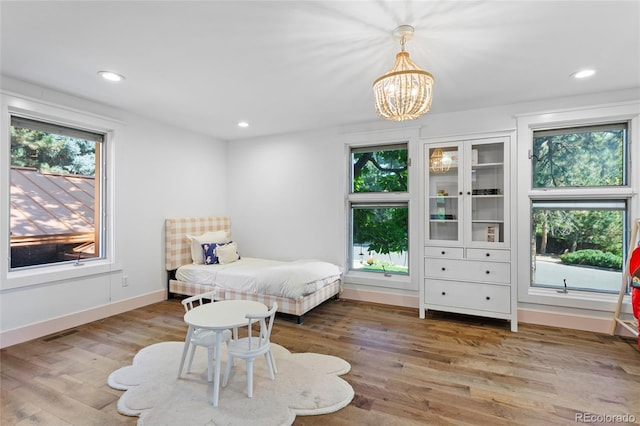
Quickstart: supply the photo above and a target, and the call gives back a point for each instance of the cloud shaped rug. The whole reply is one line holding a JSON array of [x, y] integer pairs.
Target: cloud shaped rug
[[306, 384]]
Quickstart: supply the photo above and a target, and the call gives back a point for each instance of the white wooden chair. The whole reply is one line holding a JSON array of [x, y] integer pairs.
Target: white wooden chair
[[250, 347], [201, 337]]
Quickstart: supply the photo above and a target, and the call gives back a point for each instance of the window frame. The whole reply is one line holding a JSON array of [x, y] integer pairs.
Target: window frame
[[36, 109], [378, 204], [572, 130], [384, 139], [611, 205], [99, 140], [579, 117]]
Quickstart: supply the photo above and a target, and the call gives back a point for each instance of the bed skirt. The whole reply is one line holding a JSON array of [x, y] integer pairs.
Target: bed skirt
[[296, 307]]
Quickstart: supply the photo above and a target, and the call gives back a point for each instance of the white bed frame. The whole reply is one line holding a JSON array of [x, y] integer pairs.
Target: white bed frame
[[178, 253]]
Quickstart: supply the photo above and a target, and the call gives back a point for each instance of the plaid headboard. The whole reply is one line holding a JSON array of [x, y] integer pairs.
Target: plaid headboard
[[177, 246]]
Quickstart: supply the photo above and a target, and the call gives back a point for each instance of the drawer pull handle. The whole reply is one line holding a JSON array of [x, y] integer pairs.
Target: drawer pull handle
[[460, 193], [444, 293], [487, 272], [488, 254], [444, 269], [442, 251], [488, 298]]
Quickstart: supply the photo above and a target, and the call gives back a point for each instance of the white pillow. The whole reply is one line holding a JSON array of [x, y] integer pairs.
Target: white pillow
[[197, 255], [227, 253]]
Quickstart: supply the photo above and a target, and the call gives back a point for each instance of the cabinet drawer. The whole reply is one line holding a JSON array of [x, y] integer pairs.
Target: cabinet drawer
[[444, 252], [468, 270], [488, 254], [479, 297]]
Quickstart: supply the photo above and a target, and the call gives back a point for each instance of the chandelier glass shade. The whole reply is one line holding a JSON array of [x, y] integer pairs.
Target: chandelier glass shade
[[405, 92], [439, 162]]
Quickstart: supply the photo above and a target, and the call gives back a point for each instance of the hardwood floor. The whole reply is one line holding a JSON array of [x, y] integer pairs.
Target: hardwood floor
[[447, 369]]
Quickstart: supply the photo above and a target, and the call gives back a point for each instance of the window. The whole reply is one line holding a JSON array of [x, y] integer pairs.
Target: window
[[379, 210], [580, 157], [579, 244], [56, 186], [578, 224]]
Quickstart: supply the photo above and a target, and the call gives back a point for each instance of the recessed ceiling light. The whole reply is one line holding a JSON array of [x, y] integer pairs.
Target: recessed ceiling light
[[583, 74], [111, 76], [243, 124]]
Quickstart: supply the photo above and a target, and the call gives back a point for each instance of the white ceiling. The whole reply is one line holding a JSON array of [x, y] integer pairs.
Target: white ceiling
[[295, 65]]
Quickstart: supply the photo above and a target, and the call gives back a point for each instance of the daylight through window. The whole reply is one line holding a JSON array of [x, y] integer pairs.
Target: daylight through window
[[578, 229], [56, 193], [379, 212]]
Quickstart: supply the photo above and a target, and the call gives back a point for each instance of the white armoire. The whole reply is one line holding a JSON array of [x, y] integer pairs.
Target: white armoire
[[467, 233]]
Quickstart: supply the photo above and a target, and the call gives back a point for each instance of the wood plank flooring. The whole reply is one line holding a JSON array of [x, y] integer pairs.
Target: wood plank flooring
[[444, 370]]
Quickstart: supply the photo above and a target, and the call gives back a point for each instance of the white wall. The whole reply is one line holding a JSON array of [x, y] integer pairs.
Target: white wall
[[286, 193], [159, 172], [285, 196]]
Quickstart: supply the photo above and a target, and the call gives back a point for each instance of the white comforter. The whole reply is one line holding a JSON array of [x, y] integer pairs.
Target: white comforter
[[287, 279]]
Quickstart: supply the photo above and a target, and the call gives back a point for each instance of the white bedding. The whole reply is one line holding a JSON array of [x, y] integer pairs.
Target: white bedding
[[293, 280]]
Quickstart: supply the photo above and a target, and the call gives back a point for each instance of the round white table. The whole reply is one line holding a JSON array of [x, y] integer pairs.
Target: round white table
[[217, 317]]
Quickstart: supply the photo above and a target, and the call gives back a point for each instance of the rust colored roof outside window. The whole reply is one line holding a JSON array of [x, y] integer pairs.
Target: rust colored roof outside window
[[50, 204]]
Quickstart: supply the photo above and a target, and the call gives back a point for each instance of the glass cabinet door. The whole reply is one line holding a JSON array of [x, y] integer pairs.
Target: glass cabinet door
[[487, 189], [443, 193]]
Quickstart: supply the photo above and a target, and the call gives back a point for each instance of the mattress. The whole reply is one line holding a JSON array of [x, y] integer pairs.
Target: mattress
[[294, 279]]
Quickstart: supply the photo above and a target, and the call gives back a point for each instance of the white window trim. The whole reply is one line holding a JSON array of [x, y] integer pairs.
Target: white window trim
[[526, 125], [409, 136], [44, 111]]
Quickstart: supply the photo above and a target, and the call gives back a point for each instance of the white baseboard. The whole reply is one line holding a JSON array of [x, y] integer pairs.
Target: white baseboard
[[528, 316], [55, 325], [572, 321], [378, 297]]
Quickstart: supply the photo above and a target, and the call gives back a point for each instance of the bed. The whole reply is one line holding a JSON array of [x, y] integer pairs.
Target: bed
[[297, 286]]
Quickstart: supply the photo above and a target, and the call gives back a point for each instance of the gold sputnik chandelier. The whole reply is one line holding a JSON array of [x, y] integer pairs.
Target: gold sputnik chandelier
[[405, 92]]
